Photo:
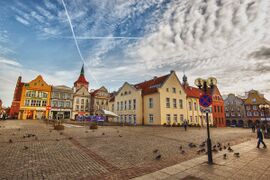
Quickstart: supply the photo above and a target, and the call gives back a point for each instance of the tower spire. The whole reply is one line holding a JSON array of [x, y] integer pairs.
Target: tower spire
[[82, 70]]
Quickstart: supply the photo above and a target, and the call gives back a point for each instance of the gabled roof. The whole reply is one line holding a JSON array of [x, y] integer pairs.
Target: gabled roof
[[151, 86], [193, 92], [97, 90]]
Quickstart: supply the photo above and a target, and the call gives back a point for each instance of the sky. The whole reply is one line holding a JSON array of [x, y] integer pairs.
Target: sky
[[133, 40]]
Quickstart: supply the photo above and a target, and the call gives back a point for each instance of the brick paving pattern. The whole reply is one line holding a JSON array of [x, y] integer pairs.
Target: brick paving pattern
[[110, 152]]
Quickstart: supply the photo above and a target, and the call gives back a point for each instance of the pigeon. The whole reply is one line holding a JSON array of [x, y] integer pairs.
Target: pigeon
[[86, 131], [237, 154], [155, 151], [57, 140], [10, 141], [19, 129], [230, 149], [120, 136], [228, 144], [61, 133], [158, 157], [218, 145], [13, 134], [29, 135], [220, 148], [181, 147], [202, 145], [103, 133], [224, 156], [224, 147], [215, 150], [25, 147], [50, 131], [214, 146], [33, 135], [24, 136], [183, 152], [70, 138]]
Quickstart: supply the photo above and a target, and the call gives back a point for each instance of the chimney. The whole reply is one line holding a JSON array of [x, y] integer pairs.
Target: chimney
[[155, 77], [172, 71]]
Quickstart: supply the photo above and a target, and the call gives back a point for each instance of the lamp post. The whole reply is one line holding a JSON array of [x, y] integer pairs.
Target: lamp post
[[206, 85], [264, 107]]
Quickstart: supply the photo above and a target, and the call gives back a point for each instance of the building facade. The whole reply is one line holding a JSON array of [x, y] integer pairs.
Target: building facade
[[194, 113], [99, 100], [81, 96], [235, 111], [61, 102], [161, 100], [218, 110], [35, 99], [15, 106], [255, 115]]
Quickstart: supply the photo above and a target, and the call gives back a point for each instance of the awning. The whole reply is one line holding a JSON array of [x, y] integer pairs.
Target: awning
[[108, 113]]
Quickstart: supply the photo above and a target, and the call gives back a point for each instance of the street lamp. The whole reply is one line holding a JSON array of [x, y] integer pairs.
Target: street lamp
[[264, 107], [205, 85]]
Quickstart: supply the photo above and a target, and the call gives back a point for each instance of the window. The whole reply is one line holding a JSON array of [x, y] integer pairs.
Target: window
[[45, 95], [175, 118], [134, 119], [239, 115], [215, 109], [27, 102], [174, 103], [33, 93], [129, 119], [248, 107], [196, 119], [150, 102], [180, 103], [167, 89], [77, 107], [254, 100], [262, 113], [190, 106], [151, 118], [33, 103], [82, 101], [249, 113], [173, 90], [125, 120], [129, 104], [67, 104], [182, 117], [256, 113], [28, 93], [218, 109], [121, 107], [112, 107], [168, 118], [125, 105], [38, 103], [167, 102], [254, 107], [190, 118], [77, 101], [195, 106], [227, 114], [117, 106], [134, 104], [62, 96], [221, 109], [180, 92], [54, 103], [61, 103]]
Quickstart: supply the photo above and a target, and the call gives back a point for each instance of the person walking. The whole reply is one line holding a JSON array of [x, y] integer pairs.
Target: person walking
[[185, 125], [260, 138], [253, 128]]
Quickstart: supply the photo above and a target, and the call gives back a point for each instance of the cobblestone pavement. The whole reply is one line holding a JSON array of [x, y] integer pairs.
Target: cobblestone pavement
[[110, 152], [252, 163]]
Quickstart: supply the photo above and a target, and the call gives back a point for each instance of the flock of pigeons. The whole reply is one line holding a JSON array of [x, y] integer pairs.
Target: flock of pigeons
[[202, 149]]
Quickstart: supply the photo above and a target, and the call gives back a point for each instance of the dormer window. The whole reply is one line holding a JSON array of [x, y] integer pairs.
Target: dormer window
[[254, 100]]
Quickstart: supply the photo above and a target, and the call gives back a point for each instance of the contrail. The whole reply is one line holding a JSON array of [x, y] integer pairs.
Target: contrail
[[76, 42], [108, 37]]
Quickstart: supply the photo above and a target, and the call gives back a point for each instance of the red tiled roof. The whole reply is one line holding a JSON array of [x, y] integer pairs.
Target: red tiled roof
[[193, 92], [151, 86], [81, 80]]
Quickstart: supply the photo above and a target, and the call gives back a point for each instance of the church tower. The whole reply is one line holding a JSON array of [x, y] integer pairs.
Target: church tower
[[81, 81]]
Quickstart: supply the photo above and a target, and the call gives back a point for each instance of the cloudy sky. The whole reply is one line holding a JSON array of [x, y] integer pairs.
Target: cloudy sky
[[134, 40]]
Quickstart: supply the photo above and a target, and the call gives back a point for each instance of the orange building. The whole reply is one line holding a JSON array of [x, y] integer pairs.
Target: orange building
[[218, 108], [35, 99], [15, 106]]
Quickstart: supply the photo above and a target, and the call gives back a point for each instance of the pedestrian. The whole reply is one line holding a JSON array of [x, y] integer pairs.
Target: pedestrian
[[260, 137], [185, 125], [253, 128]]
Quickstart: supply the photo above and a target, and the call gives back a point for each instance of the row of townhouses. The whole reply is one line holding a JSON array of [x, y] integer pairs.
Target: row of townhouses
[[38, 100], [247, 110], [164, 100]]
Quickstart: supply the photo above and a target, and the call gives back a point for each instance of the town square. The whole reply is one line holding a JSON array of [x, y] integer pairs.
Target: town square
[[143, 90]]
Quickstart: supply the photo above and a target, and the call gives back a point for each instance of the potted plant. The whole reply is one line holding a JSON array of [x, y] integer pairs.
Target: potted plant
[[93, 125]]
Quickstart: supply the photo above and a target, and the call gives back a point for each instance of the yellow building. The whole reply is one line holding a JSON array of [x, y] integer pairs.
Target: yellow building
[[194, 114], [155, 102], [35, 99]]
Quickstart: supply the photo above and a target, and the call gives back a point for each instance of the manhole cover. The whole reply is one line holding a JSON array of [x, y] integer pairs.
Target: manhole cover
[[191, 178]]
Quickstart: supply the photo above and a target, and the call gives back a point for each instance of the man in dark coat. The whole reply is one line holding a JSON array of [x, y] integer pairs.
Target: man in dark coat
[[260, 138]]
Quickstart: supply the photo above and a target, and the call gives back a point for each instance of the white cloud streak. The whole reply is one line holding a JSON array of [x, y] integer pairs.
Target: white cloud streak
[[76, 43]]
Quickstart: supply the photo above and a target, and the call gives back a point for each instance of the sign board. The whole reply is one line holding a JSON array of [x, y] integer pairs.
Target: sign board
[[205, 100], [48, 108], [206, 110]]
